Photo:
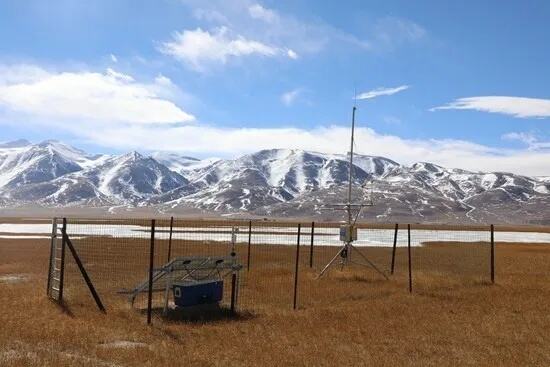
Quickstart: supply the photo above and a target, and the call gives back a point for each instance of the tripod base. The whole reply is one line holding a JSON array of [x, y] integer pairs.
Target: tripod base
[[344, 254]]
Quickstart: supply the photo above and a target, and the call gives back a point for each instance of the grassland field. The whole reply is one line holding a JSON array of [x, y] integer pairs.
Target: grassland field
[[454, 316]]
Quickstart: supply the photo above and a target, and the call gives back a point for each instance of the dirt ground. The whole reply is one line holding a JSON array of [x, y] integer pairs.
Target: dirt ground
[[454, 316]]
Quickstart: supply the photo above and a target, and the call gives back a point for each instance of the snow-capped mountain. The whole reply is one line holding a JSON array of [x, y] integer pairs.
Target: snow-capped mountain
[[276, 176], [53, 173], [133, 177], [279, 182], [22, 163]]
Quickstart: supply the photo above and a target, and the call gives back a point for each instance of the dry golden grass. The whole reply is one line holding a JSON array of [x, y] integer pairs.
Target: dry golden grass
[[454, 317]]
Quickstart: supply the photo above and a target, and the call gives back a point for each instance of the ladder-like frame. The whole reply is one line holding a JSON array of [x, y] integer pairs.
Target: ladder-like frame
[[56, 271]]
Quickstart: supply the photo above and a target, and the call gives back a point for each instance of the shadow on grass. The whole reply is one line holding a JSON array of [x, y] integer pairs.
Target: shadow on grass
[[342, 277], [63, 307], [202, 314]]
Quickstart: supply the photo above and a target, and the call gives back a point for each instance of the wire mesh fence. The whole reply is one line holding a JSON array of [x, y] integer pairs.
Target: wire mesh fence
[[450, 256], [115, 254], [284, 264]]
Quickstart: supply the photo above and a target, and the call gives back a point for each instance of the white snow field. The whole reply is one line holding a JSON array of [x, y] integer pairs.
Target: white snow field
[[271, 235]]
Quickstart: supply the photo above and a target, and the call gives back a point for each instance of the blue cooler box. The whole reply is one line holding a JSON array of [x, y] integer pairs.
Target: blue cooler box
[[197, 292]]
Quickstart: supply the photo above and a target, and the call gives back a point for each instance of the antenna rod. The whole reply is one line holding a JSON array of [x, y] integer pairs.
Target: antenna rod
[[351, 162]]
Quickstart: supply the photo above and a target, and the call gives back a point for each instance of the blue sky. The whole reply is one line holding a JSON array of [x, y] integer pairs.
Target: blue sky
[[227, 77]]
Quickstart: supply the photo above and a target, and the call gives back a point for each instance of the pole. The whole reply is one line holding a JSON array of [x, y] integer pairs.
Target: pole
[[311, 245], [52, 255], [170, 239], [62, 270], [249, 243], [151, 264], [296, 267], [409, 251], [492, 254], [233, 292], [394, 247], [351, 163]]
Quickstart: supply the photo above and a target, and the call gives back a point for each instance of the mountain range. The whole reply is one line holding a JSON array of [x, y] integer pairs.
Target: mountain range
[[275, 183]]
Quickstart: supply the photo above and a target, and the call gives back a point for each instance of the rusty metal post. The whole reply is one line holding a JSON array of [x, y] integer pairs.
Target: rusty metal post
[[170, 239], [492, 253], [297, 267], [151, 264], [394, 247], [311, 245], [409, 252], [62, 266], [249, 243]]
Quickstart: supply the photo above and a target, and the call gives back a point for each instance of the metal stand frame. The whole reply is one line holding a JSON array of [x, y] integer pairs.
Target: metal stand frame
[[345, 251], [345, 259], [182, 268]]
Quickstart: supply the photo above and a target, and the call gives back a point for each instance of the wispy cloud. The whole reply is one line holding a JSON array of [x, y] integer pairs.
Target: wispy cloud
[[288, 98], [381, 92], [199, 48], [257, 11], [532, 141], [521, 107], [256, 21], [275, 33], [108, 96]]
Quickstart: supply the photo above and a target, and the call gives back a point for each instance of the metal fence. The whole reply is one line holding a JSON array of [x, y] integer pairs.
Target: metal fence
[[281, 261]]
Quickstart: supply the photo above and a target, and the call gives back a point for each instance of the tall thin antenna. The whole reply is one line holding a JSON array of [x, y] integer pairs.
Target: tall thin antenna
[[348, 232], [351, 162]]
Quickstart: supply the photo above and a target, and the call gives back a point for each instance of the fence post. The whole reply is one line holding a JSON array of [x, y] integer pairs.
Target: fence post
[[297, 266], [233, 292], [492, 253], [62, 270], [170, 239], [151, 264], [409, 252], [51, 266], [394, 247], [311, 245], [249, 243]]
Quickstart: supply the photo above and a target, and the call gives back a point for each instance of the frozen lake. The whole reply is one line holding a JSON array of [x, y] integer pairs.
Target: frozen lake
[[271, 235]]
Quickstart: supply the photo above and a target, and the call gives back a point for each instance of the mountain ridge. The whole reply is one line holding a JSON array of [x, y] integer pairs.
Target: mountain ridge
[[281, 182]]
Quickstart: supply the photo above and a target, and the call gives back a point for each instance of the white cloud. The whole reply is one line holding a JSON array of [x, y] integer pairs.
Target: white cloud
[[113, 58], [119, 76], [162, 80], [531, 140], [293, 55], [382, 92], [288, 34], [514, 106], [288, 98], [281, 30], [198, 48], [257, 11], [527, 138], [194, 139], [303, 35], [109, 97]]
